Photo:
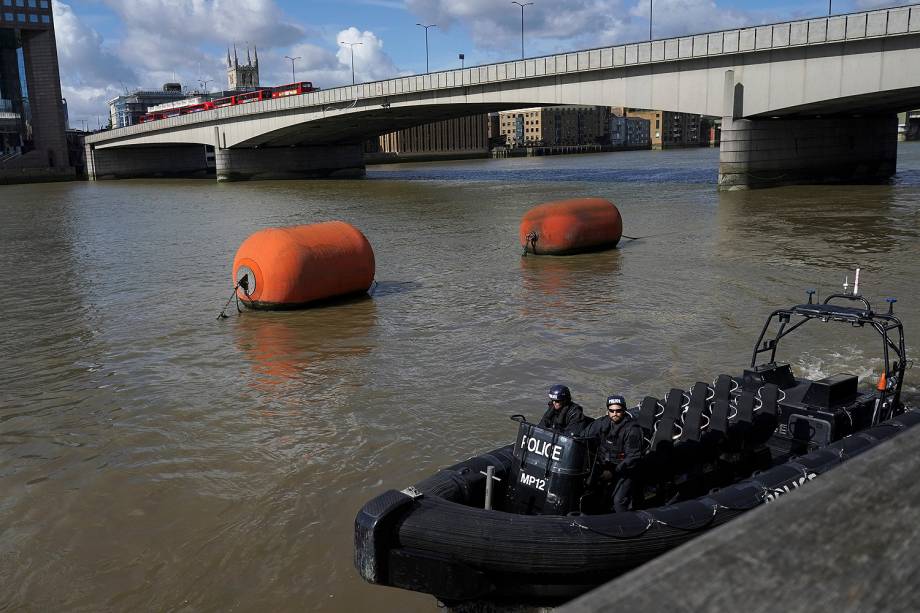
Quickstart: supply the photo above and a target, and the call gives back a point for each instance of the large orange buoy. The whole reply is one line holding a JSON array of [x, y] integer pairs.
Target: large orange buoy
[[571, 226], [291, 267]]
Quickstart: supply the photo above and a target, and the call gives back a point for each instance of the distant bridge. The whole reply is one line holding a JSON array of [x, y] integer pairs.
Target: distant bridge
[[801, 101]]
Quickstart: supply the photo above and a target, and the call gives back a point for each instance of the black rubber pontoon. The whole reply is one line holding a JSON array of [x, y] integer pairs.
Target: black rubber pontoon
[[713, 453]]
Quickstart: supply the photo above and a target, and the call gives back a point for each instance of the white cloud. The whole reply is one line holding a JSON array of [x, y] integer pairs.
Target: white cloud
[[160, 41], [165, 37], [327, 68], [91, 71], [175, 40], [189, 22], [554, 25], [371, 62]]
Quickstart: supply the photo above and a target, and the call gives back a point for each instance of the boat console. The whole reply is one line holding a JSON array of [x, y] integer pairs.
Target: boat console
[[813, 414], [548, 472]]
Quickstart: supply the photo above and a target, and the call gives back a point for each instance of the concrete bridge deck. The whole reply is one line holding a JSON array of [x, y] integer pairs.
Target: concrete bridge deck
[[854, 64]]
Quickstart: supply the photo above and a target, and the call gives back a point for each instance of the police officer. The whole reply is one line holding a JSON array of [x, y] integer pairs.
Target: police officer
[[619, 448], [563, 415]]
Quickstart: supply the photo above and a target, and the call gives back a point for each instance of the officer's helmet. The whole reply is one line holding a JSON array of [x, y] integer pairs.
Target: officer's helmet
[[560, 393]]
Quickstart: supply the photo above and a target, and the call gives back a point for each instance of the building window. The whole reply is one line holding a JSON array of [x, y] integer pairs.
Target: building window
[[32, 4], [33, 18], [20, 3], [43, 4], [7, 2], [8, 16], [20, 17], [46, 19]]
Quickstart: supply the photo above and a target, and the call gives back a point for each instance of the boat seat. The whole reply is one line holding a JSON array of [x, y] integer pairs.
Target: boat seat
[[718, 420], [648, 413], [694, 417], [765, 415], [664, 435], [668, 421], [724, 386], [769, 397], [674, 405], [746, 408]]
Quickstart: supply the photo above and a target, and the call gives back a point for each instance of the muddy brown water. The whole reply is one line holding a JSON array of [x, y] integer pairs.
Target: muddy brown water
[[153, 458]]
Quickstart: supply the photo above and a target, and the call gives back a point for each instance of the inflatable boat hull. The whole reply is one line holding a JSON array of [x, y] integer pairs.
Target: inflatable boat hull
[[431, 539]]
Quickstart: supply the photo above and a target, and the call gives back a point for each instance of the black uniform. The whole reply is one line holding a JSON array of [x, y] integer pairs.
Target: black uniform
[[619, 449], [568, 420]]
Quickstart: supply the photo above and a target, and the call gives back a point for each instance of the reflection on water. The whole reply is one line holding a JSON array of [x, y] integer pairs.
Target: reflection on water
[[285, 345], [565, 287], [153, 458]]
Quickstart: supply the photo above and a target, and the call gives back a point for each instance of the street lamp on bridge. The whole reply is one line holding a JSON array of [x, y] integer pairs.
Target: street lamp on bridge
[[432, 25], [522, 22], [651, 8], [352, 46], [293, 59]]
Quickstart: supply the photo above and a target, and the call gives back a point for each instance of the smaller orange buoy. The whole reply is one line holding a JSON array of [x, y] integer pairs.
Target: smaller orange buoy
[[882, 383], [283, 268], [571, 226]]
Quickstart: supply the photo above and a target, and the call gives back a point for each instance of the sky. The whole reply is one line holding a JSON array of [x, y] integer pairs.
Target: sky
[[107, 47]]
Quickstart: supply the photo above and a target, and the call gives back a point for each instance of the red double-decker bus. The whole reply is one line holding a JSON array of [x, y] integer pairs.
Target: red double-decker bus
[[196, 108], [258, 95], [254, 96], [293, 89]]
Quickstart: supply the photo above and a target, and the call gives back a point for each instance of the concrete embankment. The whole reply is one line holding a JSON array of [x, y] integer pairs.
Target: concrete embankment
[[847, 541]]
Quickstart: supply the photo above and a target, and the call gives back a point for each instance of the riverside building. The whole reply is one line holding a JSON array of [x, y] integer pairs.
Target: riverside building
[[631, 132], [551, 126], [670, 129], [457, 138], [128, 109], [32, 113]]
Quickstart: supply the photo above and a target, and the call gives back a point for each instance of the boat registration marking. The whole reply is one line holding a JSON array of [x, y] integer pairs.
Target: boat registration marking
[[532, 481]]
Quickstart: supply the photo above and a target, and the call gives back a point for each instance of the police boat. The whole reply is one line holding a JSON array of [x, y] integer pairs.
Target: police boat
[[518, 525]]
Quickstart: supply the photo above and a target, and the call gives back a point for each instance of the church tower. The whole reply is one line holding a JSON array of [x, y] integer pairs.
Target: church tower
[[242, 76]]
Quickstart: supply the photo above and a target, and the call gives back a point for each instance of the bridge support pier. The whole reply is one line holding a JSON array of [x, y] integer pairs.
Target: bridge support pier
[[140, 162], [771, 152], [318, 162]]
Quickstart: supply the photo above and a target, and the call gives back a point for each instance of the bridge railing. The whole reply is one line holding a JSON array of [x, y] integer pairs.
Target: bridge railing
[[896, 21]]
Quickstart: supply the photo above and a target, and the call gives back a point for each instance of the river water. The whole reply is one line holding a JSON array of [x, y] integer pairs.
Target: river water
[[154, 458]]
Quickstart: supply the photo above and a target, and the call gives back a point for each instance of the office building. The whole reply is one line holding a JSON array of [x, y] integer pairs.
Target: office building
[[670, 129], [32, 117], [631, 132], [127, 110], [461, 137], [552, 126]]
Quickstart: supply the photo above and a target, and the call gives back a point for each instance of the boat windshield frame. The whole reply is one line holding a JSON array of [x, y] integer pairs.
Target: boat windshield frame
[[887, 325]]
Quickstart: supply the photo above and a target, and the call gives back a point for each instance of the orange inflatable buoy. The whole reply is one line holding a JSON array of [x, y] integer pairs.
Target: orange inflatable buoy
[[571, 226], [290, 267]]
